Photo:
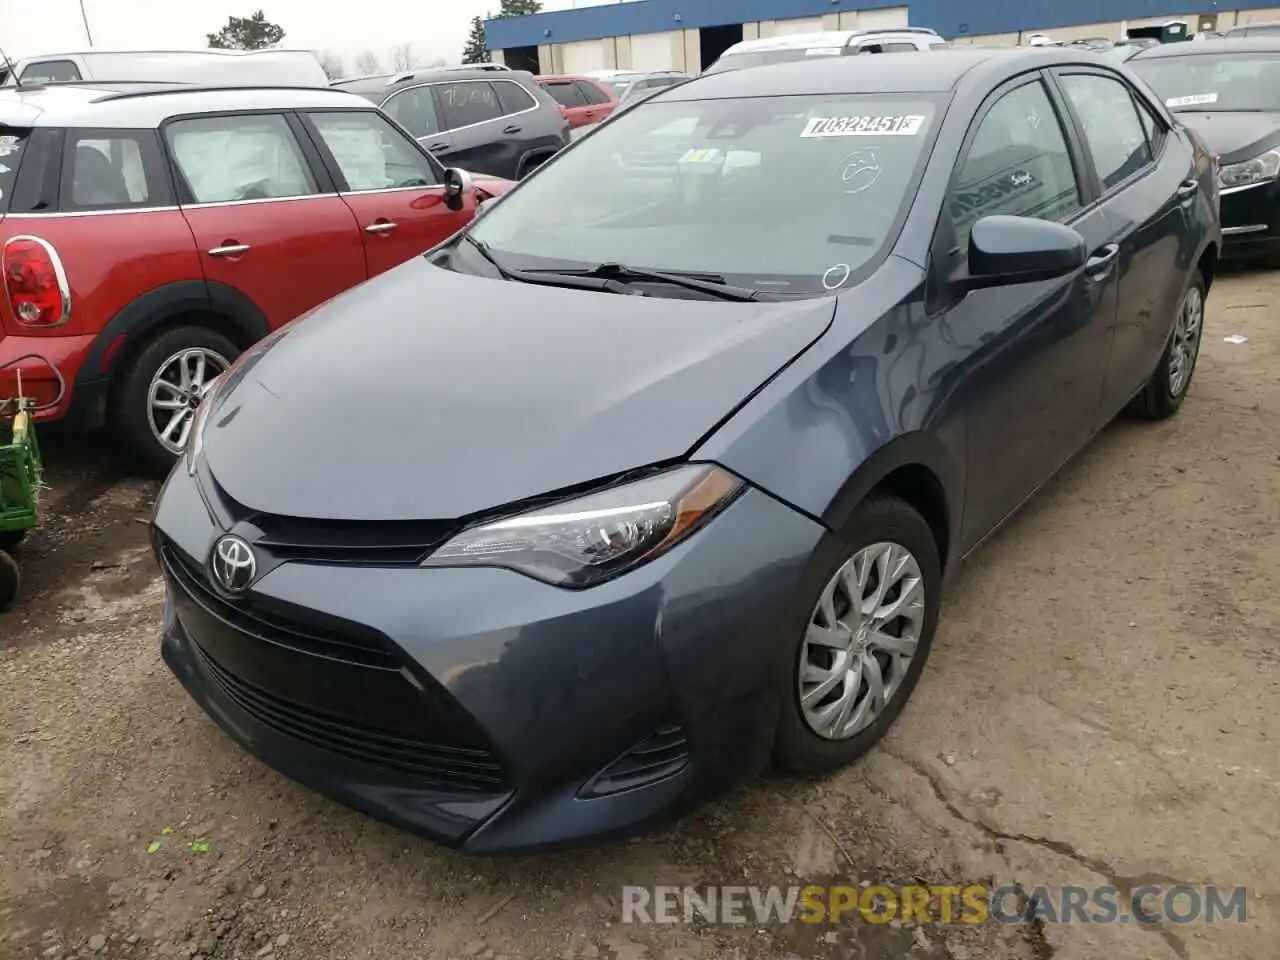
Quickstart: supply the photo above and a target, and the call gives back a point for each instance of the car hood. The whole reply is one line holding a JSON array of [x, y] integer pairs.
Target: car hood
[[1235, 136], [429, 394]]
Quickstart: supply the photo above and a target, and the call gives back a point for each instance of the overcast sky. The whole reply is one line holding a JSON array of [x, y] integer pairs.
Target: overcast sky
[[437, 29]]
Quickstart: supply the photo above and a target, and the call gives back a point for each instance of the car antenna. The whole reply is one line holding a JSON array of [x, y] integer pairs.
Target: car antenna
[[13, 70]]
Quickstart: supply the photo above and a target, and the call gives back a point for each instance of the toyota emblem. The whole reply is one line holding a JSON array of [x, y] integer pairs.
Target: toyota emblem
[[234, 565]]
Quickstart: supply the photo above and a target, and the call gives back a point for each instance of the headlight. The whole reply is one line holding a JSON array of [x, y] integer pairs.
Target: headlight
[[581, 542], [1247, 172]]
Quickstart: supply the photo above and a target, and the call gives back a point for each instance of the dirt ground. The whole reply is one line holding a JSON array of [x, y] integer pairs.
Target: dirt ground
[[1102, 707]]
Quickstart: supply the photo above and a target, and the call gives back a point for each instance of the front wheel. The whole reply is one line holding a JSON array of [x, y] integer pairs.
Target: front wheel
[[861, 652], [156, 399], [1167, 388]]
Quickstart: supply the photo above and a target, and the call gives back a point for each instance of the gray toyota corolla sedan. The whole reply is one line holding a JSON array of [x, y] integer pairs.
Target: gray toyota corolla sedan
[[656, 472]]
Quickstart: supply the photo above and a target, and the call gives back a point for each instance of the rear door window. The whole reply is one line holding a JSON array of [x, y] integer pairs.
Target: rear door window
[[591, 93], [51, 71], [13, 140], [1113, 130], [513, 98], [565, 93], [109, 170], [465, 103]]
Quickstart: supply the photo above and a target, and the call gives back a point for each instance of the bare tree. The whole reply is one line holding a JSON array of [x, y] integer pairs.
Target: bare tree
[[331, 64], [402, 57], [367, 63]]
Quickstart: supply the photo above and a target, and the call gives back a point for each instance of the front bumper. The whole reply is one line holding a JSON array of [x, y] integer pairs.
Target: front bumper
[[1251, 222], [482, 708]]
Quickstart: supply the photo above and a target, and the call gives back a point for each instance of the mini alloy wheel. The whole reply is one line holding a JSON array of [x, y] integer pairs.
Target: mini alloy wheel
[[176, 391]]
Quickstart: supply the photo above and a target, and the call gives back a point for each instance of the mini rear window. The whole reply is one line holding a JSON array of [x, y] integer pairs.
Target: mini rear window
[[12, 142]]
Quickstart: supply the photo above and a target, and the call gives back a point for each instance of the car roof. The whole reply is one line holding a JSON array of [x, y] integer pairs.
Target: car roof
[[367, 86], [1249, 26], [826, 38], [1205, 47], [935, 71], [141, 105]]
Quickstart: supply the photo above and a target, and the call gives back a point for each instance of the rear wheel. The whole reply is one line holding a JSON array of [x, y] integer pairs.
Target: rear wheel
[[1165, 391], [859, 656], [157, 395]]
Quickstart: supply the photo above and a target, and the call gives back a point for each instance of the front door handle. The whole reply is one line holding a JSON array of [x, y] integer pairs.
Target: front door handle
[[382, 226], [437, 147], [1187, 190], [1098, 266], [229, 250], [511, 129]]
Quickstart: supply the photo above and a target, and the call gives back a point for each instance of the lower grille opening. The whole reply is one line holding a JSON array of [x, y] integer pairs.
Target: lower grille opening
[[662, 754], [451, 767]]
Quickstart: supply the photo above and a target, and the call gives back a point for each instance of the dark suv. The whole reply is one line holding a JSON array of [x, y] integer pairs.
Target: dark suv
[[497, 122]]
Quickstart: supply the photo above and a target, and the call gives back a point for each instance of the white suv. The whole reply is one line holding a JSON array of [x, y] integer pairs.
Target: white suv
[[832, 43]]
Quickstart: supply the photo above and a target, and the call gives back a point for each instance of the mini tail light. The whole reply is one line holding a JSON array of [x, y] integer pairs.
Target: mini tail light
[[35, 283]]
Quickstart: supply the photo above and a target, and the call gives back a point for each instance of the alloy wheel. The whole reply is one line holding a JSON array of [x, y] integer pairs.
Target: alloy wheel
[[176, 391], [1184, 349], [861, 639]]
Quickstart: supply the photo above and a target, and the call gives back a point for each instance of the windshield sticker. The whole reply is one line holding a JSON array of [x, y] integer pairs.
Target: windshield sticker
[[1192, 101], [900, 126], [859, 171], [8, 145], [835, 276], [709, 155]]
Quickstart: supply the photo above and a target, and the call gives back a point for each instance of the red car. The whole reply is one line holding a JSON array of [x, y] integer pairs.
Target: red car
[[147, 237], [583, 100]]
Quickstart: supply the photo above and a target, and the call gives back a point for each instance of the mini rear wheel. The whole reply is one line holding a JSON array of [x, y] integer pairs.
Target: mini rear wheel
[[156, 398], [10, 581]]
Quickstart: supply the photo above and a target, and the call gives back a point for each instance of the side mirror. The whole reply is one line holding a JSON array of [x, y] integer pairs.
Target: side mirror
[[1005, 250], [457, 184]]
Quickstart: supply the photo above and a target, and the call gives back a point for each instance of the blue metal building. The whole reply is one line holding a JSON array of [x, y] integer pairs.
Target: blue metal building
[[685, 34]]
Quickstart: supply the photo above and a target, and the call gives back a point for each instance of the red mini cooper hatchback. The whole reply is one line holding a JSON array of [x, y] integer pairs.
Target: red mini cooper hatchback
[[148, 236]]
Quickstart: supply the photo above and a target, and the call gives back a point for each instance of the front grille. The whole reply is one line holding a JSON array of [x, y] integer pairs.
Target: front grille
[[448, 766], [360, 542], [281, 623], [663, 753]]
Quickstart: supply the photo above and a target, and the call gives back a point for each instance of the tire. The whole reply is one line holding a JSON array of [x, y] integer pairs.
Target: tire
[[878, 521], [1162, 395], [10, 539], [531, 165], [131, 413], [10, 581]]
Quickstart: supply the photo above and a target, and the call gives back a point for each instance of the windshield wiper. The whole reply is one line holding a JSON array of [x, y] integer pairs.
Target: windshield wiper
[[703, 283], [579, 281]]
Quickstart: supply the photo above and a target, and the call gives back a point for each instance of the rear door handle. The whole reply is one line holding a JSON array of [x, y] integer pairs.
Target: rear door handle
[[229, 250], [1188, 189], [511, 129], [437, 147], [384, 226], [1098, 266]]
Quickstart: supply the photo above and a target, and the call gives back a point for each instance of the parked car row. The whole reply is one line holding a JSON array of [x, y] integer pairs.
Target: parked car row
[[657, 471]]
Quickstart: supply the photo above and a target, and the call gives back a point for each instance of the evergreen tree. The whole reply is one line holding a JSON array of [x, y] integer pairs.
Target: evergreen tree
[[475, 51], [518, 8]]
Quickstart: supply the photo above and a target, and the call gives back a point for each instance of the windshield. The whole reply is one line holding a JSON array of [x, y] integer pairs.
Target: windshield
[[619, 84], [762, 58], [1212, 83], [784, 195]]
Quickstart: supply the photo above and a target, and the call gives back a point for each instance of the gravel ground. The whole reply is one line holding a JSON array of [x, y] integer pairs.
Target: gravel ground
[[1102, 707]]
